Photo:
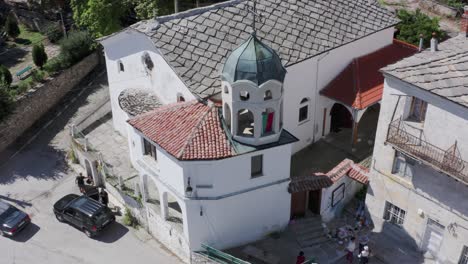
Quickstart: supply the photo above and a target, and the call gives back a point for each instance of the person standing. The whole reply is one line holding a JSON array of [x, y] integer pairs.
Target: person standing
[[103, 197], [364, 255], [300, 258], [350, 250], [80, 182]]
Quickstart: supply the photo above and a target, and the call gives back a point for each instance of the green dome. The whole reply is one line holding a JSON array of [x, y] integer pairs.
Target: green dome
[[253, 61]]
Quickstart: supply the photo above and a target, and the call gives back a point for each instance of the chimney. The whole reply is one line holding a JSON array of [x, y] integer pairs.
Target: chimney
[[434, 42], [464, 23]]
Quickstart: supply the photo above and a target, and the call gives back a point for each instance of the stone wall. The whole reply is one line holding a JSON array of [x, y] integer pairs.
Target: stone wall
[[438, 8], [37, 101]]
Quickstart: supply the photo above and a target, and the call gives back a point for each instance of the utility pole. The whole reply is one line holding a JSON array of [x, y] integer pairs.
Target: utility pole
[[197, 3], [63, 24], [176, 6]]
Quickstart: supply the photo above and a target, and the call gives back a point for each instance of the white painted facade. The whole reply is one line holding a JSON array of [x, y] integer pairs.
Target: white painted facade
[[429, 195], [305, 81], [330, 208]]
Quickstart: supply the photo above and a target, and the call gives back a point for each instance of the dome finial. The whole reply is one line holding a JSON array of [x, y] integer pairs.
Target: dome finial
[[256, 16]]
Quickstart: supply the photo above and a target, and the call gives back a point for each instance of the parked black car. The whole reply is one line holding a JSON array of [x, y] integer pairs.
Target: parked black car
[[12, 220], [84, 213]]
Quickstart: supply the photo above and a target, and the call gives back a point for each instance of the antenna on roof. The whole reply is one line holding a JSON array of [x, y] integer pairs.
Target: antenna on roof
[[255, 14]]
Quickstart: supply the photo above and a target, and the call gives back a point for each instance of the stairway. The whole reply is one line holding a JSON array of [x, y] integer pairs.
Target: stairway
[[310, 232]]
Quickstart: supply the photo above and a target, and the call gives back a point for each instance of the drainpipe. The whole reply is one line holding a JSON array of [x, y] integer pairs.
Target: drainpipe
[[316, 93]]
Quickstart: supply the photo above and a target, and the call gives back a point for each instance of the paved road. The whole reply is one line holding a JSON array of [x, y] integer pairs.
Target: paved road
[[35, 177]]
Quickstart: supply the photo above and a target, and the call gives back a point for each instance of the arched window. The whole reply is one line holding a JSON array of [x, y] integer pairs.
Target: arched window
[[268, 118], [180, 98], [304, 110], [245, 123], [268, 95], [244, 95], [227, 115], [147, 61], [121, 66], [226, 89]]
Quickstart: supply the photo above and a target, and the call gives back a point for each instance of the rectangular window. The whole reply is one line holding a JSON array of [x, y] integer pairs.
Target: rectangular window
[[464, 256], [257, 166], [338, 194], [150, 149], [403, 165], [394, 214], [303, 113], [418, 110]]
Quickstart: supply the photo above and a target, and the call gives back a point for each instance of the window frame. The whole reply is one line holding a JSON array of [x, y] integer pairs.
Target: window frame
[[394, 214], [304, 109], [403, 160], [256, 173], [150, 149], [343, 192], [463, 256], [413, 112], [120, 66]]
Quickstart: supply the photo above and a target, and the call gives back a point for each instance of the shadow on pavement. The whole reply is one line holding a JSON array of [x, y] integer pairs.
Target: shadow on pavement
[[112, 233], [22, 204], [27, 233]]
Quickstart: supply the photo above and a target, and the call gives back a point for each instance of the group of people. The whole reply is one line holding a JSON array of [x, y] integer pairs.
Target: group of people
[[102, 196], [363, 252], [350, 248]]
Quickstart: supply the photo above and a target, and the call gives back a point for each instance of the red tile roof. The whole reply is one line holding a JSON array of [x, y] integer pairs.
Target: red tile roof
[[360, 84], [315, 182], [188, 131]]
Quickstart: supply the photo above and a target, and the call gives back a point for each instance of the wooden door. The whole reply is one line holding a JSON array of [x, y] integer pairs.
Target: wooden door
[[298, 204], [314, 201]]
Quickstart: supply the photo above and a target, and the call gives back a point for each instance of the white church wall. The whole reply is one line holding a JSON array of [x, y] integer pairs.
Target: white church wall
[[328, 210], [128, 48], [239, 219], [302, 81], [234, 174]]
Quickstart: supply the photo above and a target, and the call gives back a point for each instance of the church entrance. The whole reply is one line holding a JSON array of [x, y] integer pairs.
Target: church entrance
[[315, 198], [340, 118]]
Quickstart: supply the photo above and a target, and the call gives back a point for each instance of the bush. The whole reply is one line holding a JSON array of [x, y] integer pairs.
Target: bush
[[25, 85], [11, 27], [129, 219], [38, 75], [72, 156], [53, 32], [55, 64], [6, 104], [78, 45], [39, 55], [416, 23], [5, 77]]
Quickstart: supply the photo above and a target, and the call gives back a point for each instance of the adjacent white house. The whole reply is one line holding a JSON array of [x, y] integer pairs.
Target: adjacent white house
[[419, 175], [214, 104]]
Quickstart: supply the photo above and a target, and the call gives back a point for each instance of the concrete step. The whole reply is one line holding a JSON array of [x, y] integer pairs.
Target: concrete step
[[311, 235], [313, 242]]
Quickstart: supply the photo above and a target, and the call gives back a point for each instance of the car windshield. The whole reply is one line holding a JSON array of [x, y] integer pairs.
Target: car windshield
[[9, 214], [101, 217]]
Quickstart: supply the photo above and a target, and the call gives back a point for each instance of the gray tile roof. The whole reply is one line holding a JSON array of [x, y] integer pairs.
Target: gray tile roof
[[196, 43], [444, 72]]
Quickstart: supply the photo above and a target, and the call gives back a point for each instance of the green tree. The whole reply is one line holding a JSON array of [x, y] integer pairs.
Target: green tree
[[413, 24], [6, 103], [39, 55], [5, 77], [146, 9], [100, 17], [78, 45], [11, 27]]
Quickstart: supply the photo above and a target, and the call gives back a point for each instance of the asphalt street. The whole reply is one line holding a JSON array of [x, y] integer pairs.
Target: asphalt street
[[34, 174]]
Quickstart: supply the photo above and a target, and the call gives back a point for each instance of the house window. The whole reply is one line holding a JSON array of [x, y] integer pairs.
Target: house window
[[394, 214], [403, 165], [150, 149], [338, 194], [121, 67], [304, 110], [268, 95], [418, 110], [257, 166], [180, 98], [464, 256], [147, 61]]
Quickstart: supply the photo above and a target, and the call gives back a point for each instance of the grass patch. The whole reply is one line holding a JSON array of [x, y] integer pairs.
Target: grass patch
[[28, 37]]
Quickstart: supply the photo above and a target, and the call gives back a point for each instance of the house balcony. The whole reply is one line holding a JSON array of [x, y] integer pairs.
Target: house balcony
[[446, 161]]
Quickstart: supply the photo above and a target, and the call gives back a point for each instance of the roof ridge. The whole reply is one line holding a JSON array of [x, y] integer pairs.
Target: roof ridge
[[194, 131]]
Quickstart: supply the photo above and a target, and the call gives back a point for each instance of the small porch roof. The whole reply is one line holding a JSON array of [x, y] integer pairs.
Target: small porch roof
[[360, 84]]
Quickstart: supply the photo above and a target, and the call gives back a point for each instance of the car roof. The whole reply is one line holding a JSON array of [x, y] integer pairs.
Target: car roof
[[86, 205], [4, 206]]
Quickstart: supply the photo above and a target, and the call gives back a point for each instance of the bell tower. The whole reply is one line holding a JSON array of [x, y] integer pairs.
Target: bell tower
[[252, 93]]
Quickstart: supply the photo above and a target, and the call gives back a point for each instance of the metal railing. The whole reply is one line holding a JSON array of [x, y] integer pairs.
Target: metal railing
[[447, 161]]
